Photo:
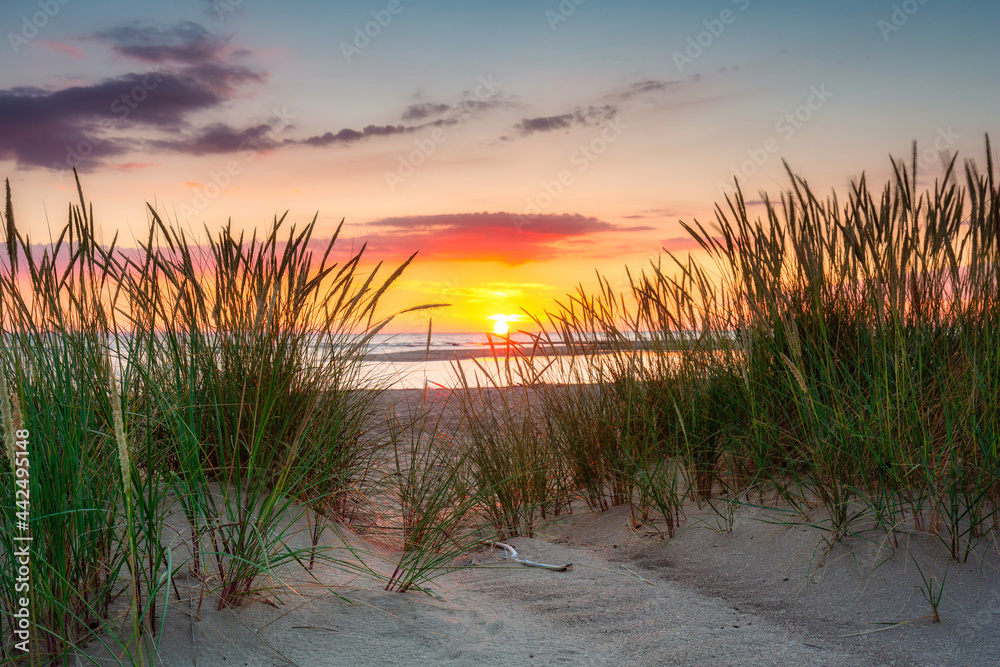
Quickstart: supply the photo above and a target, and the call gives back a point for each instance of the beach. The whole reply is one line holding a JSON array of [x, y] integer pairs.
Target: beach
[[758, 594]]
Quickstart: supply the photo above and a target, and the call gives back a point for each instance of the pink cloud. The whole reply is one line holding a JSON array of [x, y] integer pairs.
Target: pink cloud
[[65, 49]]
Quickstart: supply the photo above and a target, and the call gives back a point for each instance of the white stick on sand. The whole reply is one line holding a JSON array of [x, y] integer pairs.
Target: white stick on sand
[[511, 554]]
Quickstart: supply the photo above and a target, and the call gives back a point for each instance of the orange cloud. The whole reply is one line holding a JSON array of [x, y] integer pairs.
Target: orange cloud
[[493, 237]]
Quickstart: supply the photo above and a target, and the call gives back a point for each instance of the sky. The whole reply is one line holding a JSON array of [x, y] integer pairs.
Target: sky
[[518, 147]]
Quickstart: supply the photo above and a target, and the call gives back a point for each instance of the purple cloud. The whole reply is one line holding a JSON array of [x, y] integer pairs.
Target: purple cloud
[[581, 117], [185, 42]]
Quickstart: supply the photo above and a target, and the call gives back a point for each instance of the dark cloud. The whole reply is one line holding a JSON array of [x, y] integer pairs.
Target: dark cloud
[[347, 135], [581, 117], [224, 78], [39, 128], [470, 107], [221, 138], [648, 86], [197, 71], [454, 114], [544, 124], [424, 110], [79, 126], [184, 42]]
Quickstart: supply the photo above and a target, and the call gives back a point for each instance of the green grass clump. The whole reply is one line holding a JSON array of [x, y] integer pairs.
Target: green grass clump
[[837, 360], [225, 379], [847, 360]]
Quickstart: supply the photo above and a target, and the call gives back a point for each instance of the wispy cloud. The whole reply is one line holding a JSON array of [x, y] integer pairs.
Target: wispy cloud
[[184, 42], [74, 52], [584, 117], [647, 87], [220, 138], [425, 110], [434, 114], [347, 135]]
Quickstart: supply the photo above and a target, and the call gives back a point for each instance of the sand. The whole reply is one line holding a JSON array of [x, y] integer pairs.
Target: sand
[[760, 594]]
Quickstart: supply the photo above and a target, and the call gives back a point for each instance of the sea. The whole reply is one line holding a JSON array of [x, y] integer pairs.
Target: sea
[[440, 343], [406, 361]]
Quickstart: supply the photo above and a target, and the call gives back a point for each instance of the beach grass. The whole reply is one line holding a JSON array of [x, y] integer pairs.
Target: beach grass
[[847, 361], [835, 359], [223, 378]]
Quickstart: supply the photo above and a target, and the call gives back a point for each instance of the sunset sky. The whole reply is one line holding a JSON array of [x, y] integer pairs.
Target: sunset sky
[[518, 145]]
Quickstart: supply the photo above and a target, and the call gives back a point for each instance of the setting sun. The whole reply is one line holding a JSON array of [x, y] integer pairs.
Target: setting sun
[[500, 326]]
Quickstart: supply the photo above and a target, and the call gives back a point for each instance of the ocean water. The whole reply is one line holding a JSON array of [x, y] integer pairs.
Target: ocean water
[[449, 356], [440, 342], [397, 360]]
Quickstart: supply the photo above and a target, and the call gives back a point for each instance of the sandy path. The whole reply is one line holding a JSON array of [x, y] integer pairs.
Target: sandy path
[[596, 614], [761, 594]]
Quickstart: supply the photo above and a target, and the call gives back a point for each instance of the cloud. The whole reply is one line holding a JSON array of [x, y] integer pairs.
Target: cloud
[[184, 42], [646, 87], [544, 124], [652, 213], [347, 135], [73, 52], [489, 292], [220, 138], [499, 237], [83, 125], [581, 117], [131, 166], [424, 110], [454, 114], [196, 71], [39, 128], [223, 78]]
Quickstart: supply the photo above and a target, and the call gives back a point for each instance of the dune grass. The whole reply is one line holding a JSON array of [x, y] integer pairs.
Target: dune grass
[[836, 357], [839, 357], [225, 379]]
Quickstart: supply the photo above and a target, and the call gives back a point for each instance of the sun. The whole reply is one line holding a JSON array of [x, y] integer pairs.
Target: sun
[[500, 323]]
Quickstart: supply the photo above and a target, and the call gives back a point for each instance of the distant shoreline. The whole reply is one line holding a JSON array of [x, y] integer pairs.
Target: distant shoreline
[[499, 350], [484, 351]]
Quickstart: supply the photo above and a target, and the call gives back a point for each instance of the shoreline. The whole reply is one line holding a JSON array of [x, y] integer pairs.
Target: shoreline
[[461, 353]]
